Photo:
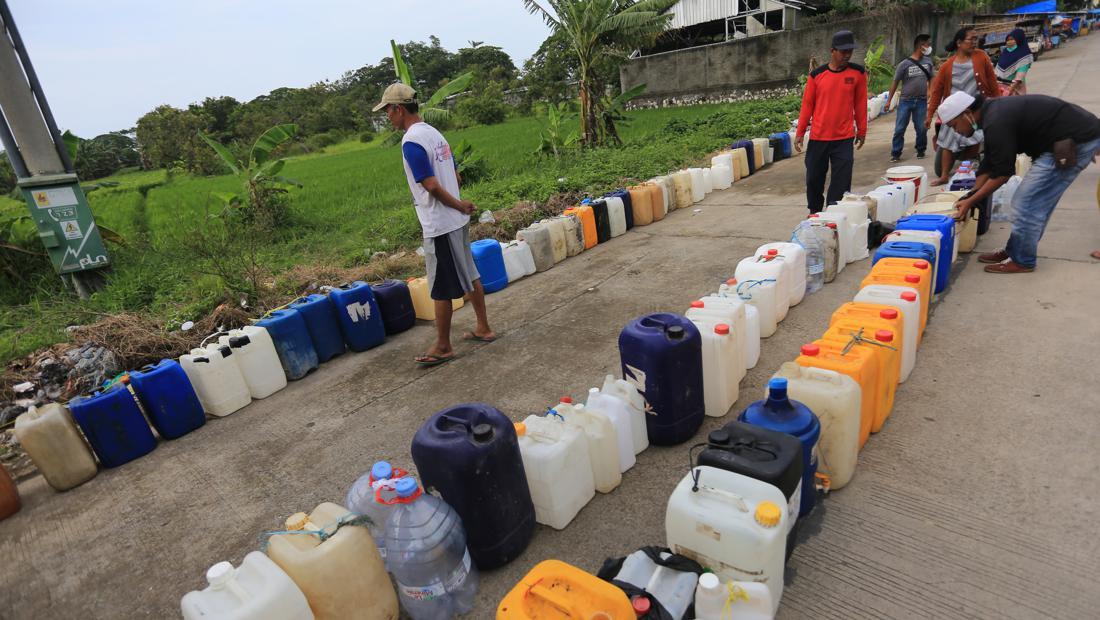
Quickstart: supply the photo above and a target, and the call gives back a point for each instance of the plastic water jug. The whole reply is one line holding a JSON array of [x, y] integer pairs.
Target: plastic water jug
[[751, 329], [603, 221], [762, 295], [909, 192], [763, 454], [574, 233], [835, 400], [933, 238], [685, 195], [785, 140], [489, 260], [905, 299], [870, 201], [49, 436], [674, 589], [559, 473], [858, 224], [806, 239], [759, 144], [668, 196], [168, 398], [763, 269], [861, 364], [733, 524], [395, 304], [470, 455], [699, 184], [539, 240], [722, 176], [601, 437], [899, 272], [793, 257], [776, 149], [707, 315], [884, 342], [372, 495], [335, 563], [708, 181], [733, 600], [113, 425], [288, 330], [876, 317], [256, 590], [743, 154], [554, 590], [891, 204], [746, 335], [827, 236], [9, 495], [628, 209], [632, 405], [558, 238], [662, 357], [722, 363], [779, 413], [323, 324], [845, 235], [257, 359], [725, 158], [946, 227], [966, 232], [517, 259], [915, 250], [423, 304], [616, 215], [217, 379], [622, 420], [657, 199], [587, 219], [358, 316]]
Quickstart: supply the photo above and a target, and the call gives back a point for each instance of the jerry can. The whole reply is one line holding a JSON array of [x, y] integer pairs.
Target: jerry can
[[335, 564], [760, 301], [602, 217], [657, 200], [559, 472], [554, 590], [881, 342], [793, 256], [858, 363], [49, 436], [751, 328], [662, 356], [423, 304], [470, 455], [946, 227], [538, 237], [732, 524], [616, 215], [489, 260], [711, 311], [574, 234], [672, 587], [256, 590], [905, 249], [725, 158], [9, 495], [257, 360], [931, 237], [395, 304], [217, 379], [628, 208], [743, 600], [588, 224], [905, 299], [826, 233], [766, 269], [721, 361], [668, 195], [641, 201], [966, 232], [619, 400], [867, 199], [699, 184], [835, 400], [858, 224], [879, 316], [558, 244], [323, 325], [682, 182], [708, 181], [601, 437], [361, 321], [741, 159], [288, 330], [763, 157], [518, 260], [915, 274], [113, 425], [779, 413], [722, 176], [166, 394], [845, 236]]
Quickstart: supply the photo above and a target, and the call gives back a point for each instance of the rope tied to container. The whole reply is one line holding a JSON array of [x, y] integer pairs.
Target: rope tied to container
[[745, 295], [323, 533], [858, 338], [551, 412], [734, 593]]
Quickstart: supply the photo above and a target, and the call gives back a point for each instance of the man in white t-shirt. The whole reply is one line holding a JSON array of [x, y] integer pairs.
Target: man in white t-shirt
[[444, 217]]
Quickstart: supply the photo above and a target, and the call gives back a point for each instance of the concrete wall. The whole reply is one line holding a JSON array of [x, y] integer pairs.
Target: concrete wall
[[779, 58]]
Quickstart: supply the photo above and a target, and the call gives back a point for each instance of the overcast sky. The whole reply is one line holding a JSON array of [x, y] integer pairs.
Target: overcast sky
[[104, 63]]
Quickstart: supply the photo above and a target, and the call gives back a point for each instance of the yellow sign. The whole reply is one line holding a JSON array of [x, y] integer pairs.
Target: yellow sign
[[42, 199]]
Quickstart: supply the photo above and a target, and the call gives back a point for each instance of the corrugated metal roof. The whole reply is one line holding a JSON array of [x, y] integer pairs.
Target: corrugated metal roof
[[690, 12]]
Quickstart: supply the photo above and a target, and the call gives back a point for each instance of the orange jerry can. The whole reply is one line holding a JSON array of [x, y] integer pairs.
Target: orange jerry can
[[641, 204], [9, 495], [554, 590], [860, 364], [588, 224], [883, 336], [915, 274], [657, 200]]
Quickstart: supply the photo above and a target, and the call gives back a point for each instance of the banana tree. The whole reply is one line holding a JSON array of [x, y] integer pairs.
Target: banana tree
[[259, 174], [432, 109], [613, 110], [554, 138], [598, 28]]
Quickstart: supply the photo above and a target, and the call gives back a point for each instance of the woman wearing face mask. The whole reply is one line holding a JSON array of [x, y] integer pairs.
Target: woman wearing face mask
[[968, 70], [1013, 64]]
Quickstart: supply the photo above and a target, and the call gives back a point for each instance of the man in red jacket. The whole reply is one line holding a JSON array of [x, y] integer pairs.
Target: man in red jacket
[[834, 106]]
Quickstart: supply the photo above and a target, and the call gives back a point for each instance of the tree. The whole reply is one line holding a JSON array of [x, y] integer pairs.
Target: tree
[[432, 109], [7, 174], [486, 107], [220, 109], [598, 28], [486, 62], [168, 136]]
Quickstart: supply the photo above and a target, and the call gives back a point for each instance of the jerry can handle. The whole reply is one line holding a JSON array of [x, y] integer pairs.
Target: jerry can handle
[[560, 602], [453, 421]]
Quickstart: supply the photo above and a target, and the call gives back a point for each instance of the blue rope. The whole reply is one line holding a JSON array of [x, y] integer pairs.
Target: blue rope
[[323, 533], [752, 284]]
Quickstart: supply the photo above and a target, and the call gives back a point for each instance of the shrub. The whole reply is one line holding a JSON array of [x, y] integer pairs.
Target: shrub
[[366, 136], [486, 107]]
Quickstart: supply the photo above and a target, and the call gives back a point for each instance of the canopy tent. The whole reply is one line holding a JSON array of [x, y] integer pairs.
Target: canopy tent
[[1046, 6]]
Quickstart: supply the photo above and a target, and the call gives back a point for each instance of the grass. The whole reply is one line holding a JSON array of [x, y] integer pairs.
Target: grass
[[354, 201]]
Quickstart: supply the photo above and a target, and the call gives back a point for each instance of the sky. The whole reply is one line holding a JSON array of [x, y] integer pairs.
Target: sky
[[105, 63]]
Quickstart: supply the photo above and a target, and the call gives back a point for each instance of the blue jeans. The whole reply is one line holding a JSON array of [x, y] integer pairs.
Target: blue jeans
[[1036, 198], [918, 110]]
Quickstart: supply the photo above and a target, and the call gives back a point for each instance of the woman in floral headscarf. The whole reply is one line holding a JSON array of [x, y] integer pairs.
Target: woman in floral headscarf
[[1013, 64]]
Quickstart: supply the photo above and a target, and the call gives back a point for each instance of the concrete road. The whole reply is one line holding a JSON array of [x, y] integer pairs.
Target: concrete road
[[977, 500]]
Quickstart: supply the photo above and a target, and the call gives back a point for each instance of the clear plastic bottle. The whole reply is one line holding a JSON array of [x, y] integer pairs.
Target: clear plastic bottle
[[805, 236], [362, 499], [427, 554]]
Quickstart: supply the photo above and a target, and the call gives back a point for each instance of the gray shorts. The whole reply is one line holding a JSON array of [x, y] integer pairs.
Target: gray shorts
[[451, 269]]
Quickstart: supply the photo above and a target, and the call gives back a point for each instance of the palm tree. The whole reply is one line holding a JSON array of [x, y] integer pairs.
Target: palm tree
[[601, 27]]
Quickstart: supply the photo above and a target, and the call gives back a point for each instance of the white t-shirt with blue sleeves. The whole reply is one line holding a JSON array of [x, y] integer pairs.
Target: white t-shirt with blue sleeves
[[426, 153]]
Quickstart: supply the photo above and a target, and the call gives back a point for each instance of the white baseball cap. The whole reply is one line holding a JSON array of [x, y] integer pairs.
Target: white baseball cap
[[953, 106]]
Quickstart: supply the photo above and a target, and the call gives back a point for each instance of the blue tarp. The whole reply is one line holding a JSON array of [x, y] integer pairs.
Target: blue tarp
[[1047, 6]]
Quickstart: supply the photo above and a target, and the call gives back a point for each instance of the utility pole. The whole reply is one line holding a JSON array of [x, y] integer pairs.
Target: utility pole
[[44, 169]]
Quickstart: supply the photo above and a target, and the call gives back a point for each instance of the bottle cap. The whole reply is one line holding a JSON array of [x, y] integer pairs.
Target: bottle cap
[[768, 514], [381, 471], [641, 605], [813, 215], [810, 350], [773, 252], [709, 581], [405, 487], [722, 329], [831, 225], [888, 313], [884, 335], [521, 428], [297, 522], [731, 281], [565, 399], [912, 278], [483, 432], [909, 296], [920, 264], [675, 332], [719, 437], [220, 573], [697, 304], [777, 388]]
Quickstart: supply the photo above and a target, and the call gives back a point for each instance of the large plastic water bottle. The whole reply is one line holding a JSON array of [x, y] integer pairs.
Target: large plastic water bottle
[[805, 236], [426, 552], [363, 499]]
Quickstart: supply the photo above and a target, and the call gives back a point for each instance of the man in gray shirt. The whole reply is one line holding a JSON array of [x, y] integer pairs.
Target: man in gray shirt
[[913, 74]]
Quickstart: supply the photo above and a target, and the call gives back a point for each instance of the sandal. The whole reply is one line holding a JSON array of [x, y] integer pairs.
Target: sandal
[[475, 338], [427, 361]]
